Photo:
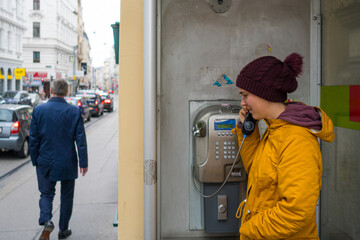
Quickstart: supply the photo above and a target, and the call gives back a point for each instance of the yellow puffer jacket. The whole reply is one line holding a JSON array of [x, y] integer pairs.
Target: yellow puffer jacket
[[284, 179]]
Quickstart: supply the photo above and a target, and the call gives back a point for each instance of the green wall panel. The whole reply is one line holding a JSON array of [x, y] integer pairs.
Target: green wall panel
[[335, 102]]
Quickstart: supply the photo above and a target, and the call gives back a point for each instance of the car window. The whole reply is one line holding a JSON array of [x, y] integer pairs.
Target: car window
[[6, 115], [10, 94], [17, 95], [72, 101], [28, 114], [22, 114], [88, 96]]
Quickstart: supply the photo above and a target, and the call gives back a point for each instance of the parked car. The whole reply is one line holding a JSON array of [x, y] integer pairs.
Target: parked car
[[94, 102], [14, 128], [87, 91], [17, 97], [82, 104], [107, 101], [35, 99], [2, 101]]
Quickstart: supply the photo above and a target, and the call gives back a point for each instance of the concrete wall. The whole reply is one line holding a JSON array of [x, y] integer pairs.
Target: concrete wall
[[198, 46]]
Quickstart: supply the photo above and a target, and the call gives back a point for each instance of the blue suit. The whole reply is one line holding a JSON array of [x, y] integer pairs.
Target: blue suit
[[55, 128]]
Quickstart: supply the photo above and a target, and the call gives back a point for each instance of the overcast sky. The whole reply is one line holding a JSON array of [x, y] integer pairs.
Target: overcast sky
[[98, 17]]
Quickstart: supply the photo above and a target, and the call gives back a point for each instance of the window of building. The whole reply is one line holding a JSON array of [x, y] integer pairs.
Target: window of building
[[36, 56], [1, 39], [18, 43], [36, 29], [18, 8], [10, 41], [36, 4]]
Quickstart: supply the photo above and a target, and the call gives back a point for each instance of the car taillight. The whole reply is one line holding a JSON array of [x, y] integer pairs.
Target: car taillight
[[79, 103], [15, 128], [102, 102], [107, 100], [96, 102]]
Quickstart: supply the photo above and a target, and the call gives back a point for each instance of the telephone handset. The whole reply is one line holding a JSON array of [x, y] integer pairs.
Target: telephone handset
[[248, 126]]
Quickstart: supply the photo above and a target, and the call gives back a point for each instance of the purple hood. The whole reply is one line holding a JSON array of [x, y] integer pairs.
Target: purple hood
[[303, 115]]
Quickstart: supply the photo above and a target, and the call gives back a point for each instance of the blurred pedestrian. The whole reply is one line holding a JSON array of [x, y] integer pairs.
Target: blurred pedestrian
[[284, 166], [56, 131], [42, 95]]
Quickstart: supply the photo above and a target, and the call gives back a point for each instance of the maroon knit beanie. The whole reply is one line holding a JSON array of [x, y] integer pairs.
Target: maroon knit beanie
[[269, 78]]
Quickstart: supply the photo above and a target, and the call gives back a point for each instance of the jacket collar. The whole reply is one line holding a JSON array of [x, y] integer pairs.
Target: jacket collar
[[275, 123], [56, 99]]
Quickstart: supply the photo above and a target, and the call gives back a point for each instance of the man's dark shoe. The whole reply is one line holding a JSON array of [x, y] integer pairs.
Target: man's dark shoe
[[64, 234], [48, 228]]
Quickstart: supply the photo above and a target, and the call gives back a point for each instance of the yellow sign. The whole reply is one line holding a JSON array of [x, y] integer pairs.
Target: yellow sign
[[2, 76], [74, 77], [19, 72]]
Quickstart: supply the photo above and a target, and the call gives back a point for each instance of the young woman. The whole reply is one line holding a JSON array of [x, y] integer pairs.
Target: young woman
[[284, 166]]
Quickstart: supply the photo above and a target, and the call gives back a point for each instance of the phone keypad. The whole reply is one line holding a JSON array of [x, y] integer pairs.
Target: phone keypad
[[225, 149]]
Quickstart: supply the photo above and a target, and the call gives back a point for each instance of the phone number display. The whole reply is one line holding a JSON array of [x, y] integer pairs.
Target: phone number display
[[222, 124]]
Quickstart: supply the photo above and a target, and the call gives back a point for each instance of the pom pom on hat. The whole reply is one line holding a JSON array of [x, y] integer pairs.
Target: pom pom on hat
[[269, 78]]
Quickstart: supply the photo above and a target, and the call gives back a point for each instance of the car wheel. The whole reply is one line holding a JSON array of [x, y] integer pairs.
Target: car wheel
[[24, 152]]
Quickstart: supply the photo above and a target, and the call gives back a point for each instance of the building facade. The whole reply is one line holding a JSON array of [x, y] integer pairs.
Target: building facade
[[50, 43], [98, 77], [83, 56], [12, 28]]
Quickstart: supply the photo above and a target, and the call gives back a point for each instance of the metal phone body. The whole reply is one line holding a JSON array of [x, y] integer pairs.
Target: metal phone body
[[216, 146]]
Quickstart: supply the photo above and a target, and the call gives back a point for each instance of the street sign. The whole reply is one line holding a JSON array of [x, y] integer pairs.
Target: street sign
[[84, 67], [74, 77], [79, 73], [19, 72]]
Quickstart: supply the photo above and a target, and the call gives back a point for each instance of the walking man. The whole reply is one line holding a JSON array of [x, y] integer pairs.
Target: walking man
[[56, 131]]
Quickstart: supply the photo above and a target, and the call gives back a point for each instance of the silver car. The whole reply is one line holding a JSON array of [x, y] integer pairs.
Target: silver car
[[14, 128]]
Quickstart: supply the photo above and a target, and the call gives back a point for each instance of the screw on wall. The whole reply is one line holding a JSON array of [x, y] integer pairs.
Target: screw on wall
[[220, 6]]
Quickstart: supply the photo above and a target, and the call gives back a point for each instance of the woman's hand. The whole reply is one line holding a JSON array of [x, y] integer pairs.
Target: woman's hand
[[242, 114]]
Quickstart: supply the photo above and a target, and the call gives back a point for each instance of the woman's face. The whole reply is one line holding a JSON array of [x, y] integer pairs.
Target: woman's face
[[257, 106]]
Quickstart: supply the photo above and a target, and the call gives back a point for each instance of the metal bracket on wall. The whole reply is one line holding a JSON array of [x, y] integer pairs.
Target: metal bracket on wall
[[220, 6]]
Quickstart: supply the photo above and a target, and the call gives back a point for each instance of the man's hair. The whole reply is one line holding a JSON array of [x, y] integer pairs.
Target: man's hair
[[59, 87]]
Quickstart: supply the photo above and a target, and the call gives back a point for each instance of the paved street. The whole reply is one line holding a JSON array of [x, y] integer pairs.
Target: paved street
[[95, 194]]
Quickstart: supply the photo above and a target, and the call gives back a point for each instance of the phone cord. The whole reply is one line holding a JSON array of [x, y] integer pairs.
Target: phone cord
[[226, 179]]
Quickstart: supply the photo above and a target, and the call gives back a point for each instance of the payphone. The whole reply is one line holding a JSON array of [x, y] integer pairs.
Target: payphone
[[215, 162]]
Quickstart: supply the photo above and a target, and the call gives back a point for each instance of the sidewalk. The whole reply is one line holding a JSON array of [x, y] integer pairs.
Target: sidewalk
[[95, 199]]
